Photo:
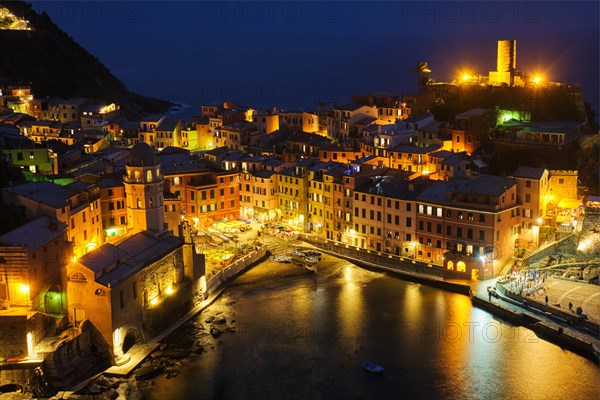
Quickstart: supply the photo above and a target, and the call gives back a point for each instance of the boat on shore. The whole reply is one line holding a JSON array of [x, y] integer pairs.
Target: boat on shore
[[281, 258], [369, 366], [311, 267], [313, 254]]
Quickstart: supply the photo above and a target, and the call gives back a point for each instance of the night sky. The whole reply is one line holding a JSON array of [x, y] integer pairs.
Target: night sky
[[293, 55]]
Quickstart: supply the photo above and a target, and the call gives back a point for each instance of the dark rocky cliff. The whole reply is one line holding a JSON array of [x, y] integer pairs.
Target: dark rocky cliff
[[54, 65]]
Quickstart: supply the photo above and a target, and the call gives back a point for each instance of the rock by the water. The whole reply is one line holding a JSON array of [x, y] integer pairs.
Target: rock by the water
[[177, 352], [148, 372], [215, 332], [172, 373]]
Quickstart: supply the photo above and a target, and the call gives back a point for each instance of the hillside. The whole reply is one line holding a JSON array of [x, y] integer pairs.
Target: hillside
[[54, 65]]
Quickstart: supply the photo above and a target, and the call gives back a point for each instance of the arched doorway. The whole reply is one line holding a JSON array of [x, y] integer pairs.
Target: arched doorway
[[131, 338]]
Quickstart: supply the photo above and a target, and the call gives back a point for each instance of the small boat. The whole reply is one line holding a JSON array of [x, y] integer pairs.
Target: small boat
[[282, 258], [297, 253], [311, 260], [377, 369], [311, 267], [313, 254]]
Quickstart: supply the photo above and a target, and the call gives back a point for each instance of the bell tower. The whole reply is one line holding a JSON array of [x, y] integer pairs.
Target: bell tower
[[144, 185]]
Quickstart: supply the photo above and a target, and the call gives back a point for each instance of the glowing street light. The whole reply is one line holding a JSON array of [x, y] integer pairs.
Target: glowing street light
[[23, 288]]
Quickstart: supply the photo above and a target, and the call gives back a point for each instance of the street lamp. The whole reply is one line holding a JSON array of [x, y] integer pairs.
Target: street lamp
[[483, 270], [414, 245]]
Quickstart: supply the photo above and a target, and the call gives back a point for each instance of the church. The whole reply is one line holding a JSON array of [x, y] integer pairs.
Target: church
[[130, 290]]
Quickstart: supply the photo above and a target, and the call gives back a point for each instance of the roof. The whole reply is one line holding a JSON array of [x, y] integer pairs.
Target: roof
[[473, 112], [35, 234], [484, 185], [180, 162], [442, 154], [348, 107], [142, 155], [102, 258], [365, 121], [43, 192], [393, 184], [108, 182], [132, 255], [529, 172], [168, 124], [263, 174]]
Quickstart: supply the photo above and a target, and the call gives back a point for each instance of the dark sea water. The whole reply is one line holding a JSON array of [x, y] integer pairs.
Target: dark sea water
[[303, 335]]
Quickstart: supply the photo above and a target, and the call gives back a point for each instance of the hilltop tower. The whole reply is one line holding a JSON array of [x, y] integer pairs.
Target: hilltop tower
[[144, 185], [506, 63]]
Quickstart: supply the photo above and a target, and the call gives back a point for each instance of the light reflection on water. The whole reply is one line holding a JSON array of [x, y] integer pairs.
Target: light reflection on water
[[303, 335]]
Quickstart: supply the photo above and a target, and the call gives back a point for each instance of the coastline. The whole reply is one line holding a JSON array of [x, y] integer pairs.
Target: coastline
[[546, 330]]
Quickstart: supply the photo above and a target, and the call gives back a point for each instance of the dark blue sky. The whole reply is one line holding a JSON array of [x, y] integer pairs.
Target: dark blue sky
[[294, 54]]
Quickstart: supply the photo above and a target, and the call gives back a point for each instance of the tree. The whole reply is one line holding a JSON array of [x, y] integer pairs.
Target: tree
[[422, 70]]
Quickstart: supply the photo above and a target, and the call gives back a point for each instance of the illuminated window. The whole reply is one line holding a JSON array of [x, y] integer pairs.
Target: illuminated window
[[149, 176], [461, 266], [450, 265], [77, 277]]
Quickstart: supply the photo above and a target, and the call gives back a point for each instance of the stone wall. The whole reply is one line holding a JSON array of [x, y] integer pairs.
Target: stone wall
[[589, 239], [234, 268], [563, 246], [13, 336], [16, 374]]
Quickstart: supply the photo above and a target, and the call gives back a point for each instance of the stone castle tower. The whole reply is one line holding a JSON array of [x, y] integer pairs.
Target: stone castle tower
[[144, 184], [506, 64]]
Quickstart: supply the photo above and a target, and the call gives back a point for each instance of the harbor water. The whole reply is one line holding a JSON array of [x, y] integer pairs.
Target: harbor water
[[303, 334]]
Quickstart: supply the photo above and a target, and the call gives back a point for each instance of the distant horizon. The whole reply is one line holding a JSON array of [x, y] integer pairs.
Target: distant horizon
[[295, 55]]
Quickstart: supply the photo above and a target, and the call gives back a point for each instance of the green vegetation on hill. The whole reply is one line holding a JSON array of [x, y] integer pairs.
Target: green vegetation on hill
[[54, 65]]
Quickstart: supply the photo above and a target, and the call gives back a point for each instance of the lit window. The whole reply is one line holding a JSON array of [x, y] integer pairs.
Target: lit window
[[77, 277]]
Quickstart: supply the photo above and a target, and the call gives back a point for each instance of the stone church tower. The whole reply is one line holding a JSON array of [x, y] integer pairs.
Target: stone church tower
[[144, 185]]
